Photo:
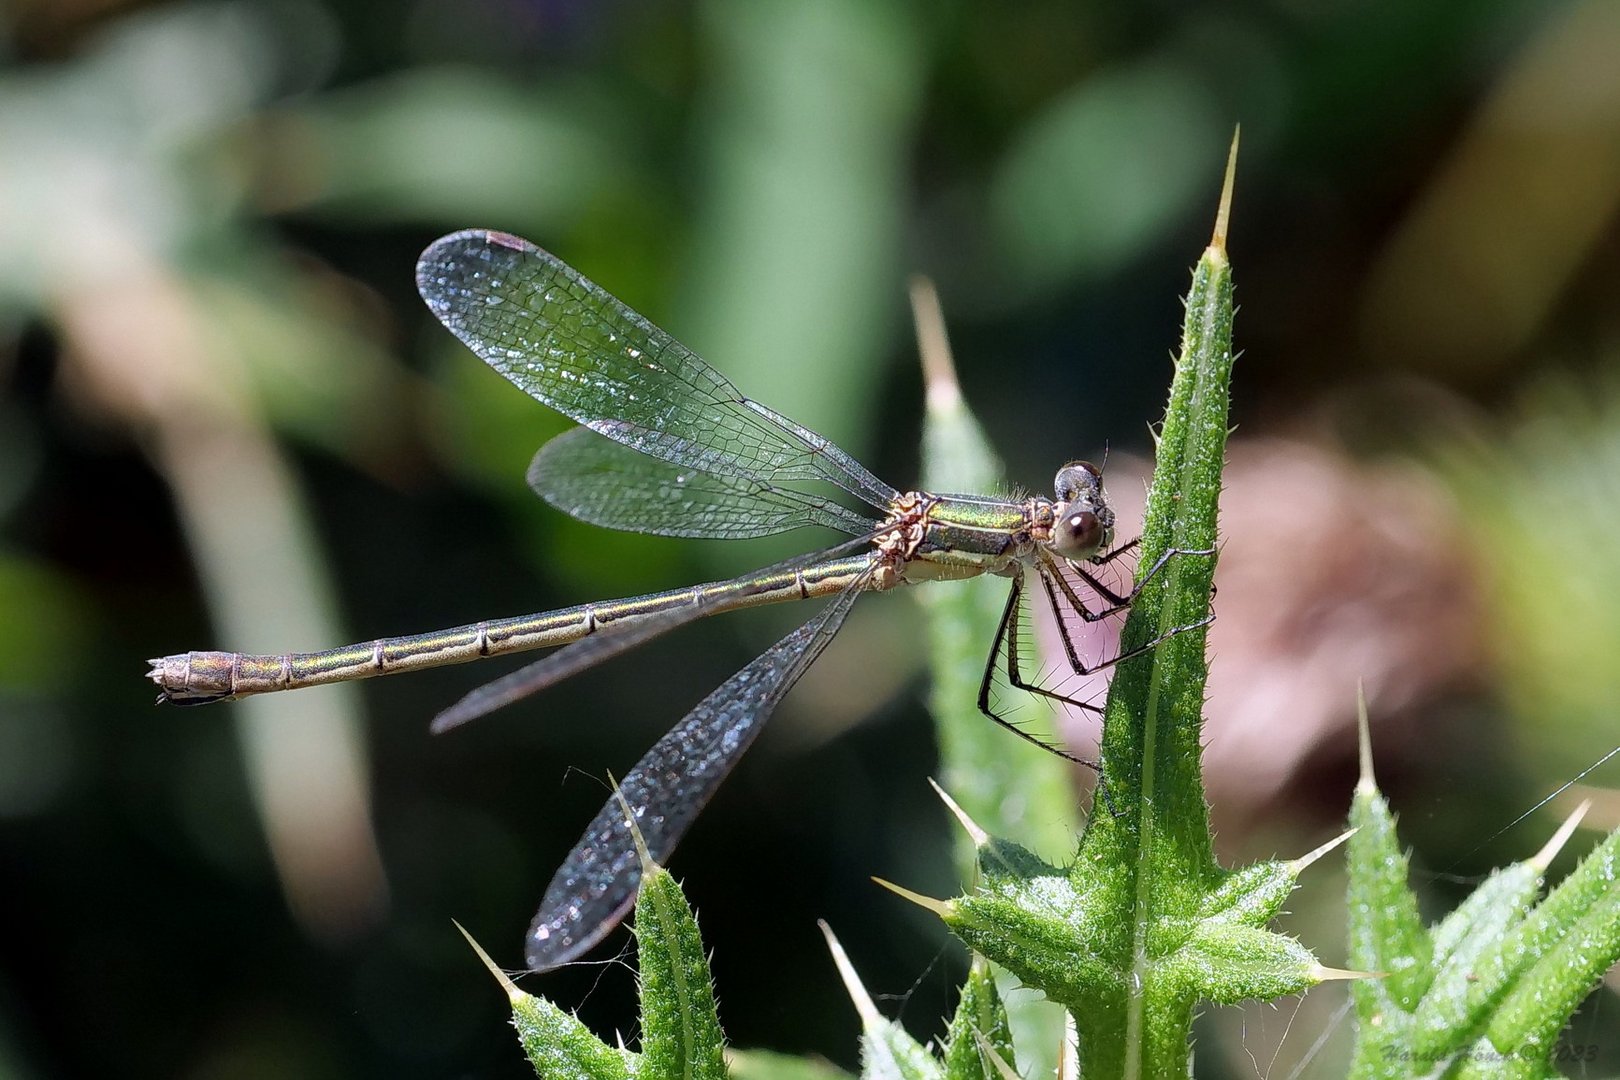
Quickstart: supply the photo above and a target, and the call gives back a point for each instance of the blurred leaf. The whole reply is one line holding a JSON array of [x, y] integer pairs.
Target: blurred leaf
[[1009, 785], [303, 345], [123, 181], [1104, 172], [449, 145], [764, 1065], [1526, 195], [807, 120], [1559, 451]]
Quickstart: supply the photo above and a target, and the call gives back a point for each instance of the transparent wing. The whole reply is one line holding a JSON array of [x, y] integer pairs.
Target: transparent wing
[[611, 485], [597, 883], [568, 343]]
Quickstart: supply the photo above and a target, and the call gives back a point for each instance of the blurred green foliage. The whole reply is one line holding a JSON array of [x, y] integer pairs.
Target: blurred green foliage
[[209, 212]]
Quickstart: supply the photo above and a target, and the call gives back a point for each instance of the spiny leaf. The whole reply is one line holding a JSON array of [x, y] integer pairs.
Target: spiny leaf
[[1489, 991], [1564, 947], [556, 1043], [978, 1030], [680, 1026], [1386, 933]]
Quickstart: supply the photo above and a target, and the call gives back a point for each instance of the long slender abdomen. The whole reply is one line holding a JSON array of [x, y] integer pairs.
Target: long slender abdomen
[[197, 678]]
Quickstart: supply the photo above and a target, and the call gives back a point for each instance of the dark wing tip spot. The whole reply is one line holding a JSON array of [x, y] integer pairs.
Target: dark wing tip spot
[[506, 239]]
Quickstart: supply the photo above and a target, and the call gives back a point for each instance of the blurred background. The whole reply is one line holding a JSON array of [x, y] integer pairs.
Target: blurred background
[[227, 421]]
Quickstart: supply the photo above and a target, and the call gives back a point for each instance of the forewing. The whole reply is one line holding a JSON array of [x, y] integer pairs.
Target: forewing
[[611, 485], [664, 793], [568, 343]]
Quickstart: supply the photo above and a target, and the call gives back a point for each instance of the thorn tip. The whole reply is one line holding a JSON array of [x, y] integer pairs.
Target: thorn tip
[[944, 393], [943, 908], [1311, 856], [864, 1006], [1543, 858], [1365, 782], [1329, 974], [975, 833], [1223, 216], [511, 988]]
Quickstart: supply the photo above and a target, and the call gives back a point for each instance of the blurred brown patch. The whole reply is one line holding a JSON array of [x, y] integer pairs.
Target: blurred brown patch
[[1330, 573]]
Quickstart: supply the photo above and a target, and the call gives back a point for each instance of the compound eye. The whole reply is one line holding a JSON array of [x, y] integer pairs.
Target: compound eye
[[1077, 536], [1075, 478]]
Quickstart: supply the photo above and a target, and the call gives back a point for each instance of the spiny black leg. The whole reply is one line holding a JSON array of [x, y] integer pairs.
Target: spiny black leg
[[1008, 614], [1050, 573], [1016, 677], [1103, 591], [1080, 668], [1124, 601], [1047, 574], [1129, 545], [1007, 636], [1147, 646]]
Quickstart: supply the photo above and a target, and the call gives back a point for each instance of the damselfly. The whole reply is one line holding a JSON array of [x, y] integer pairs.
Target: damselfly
[[669, 446]]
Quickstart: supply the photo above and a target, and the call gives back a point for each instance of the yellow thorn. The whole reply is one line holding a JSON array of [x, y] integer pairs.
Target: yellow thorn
[[1326, 974], [943, 908], [989, 1053], [513, 994], [645, 856], [1365, 784], [1543, 858], [871, 1019], [1217, 242], [934, 347], [1299, 864], [979, 837]]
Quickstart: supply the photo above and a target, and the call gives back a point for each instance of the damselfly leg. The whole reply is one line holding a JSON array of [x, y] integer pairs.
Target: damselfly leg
[[1063, 598]]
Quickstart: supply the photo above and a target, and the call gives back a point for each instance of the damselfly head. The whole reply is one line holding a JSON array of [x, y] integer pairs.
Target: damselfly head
[[1083, 522], [1076, 480]]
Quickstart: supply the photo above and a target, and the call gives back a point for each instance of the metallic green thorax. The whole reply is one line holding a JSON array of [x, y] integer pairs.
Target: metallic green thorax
[[968, 535]]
